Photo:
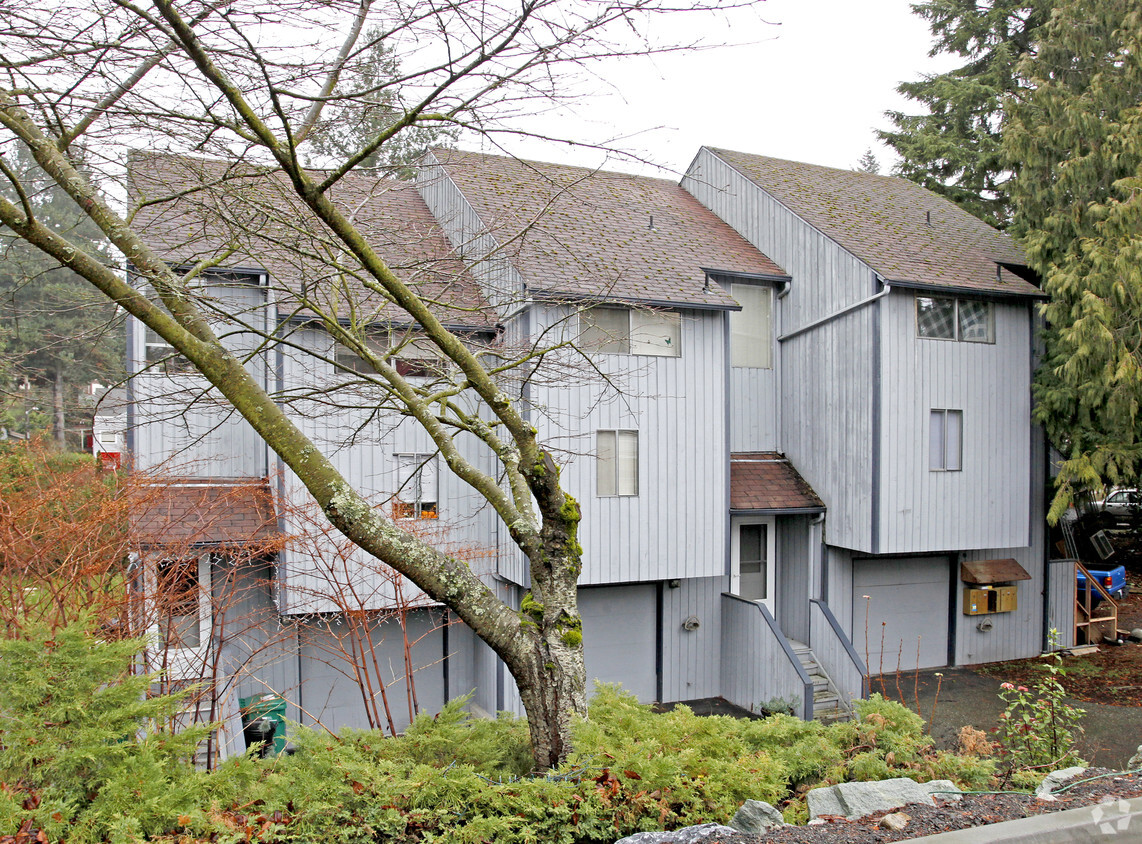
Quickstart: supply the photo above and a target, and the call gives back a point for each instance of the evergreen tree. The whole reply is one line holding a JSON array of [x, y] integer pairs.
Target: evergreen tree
[[868, 163], [954, 147], [58, 333], [1076, 136]]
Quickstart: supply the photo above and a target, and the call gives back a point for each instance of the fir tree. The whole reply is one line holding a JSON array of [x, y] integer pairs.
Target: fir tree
[[868, 163], [1077, 196], [954, 147]]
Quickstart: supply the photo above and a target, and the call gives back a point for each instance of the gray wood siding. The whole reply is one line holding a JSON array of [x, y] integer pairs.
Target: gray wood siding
[[987, 504], [1061, 610], [676, 526], [827, 426], [756, 668], [753, 409], [361, 443], [183, 426], [793, 576], [470, 237], [691, 659], [829, 648], [333, 699]]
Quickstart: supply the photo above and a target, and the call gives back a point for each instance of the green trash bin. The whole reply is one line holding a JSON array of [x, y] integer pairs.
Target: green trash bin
[[271, 707]]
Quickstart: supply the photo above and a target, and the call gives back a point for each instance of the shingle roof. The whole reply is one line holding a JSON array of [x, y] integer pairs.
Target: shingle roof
[[592, 234], [766, 480], [904, 232], [190, 209], [215, 513]]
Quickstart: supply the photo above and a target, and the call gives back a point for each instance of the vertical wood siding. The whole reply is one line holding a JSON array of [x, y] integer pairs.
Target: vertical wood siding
[[691, 659], [987, 504], [469, 236], [757, 667], [793, 576], [1061, 611], [676, 526], [182, 425], [843, 664], [753, 409], [826, 375]]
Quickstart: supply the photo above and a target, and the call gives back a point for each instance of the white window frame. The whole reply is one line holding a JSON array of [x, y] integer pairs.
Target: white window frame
[[161, 356], [656, 333], [427, 364], [610, 481], [751, 328], [769, 601], [410, 472], [957, 329], [181, 663], [946, 440]]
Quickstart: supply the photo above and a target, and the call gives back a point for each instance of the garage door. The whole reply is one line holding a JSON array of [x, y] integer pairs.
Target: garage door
[[907, 609], [619, 637]]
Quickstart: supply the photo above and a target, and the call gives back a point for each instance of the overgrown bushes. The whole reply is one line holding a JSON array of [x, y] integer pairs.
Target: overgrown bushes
[[83, 756]]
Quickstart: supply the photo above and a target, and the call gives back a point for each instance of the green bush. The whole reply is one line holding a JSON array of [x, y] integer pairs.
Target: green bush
[[83, 753]]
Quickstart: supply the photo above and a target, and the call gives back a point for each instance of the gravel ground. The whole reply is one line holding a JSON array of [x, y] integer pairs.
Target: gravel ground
[[972, 811]]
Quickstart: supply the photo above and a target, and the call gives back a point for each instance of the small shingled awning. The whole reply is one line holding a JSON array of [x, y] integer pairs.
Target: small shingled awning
[[766, 482], [207, 513], [986, 572]]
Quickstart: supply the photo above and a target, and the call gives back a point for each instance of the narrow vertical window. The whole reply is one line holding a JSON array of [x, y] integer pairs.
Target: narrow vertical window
[[751, 335], [416, 496], [616, 463], [946, 441]]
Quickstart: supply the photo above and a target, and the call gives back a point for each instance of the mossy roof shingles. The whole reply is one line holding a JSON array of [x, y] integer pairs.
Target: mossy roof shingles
[[592, 234], [195, 209], [904, 232]]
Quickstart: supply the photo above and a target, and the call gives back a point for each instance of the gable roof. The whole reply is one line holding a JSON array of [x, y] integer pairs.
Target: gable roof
[[766, 482], [597, 235], [909, 235], [193, 209]]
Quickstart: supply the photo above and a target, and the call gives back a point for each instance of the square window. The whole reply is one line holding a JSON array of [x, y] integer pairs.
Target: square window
[[416, 478], [160, 355], [936, 318], [616, 463], [976, 324], [656, 333], [605, 331], [751, 328], [946, 441]]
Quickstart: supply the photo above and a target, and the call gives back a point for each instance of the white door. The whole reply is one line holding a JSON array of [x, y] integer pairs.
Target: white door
[[181, 616], [753, 562]]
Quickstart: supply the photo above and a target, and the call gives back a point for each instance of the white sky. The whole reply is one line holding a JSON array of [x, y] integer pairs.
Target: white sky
[[810, 82]]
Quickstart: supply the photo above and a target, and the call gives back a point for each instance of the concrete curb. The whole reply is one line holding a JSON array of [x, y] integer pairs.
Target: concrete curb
[[1117, 820]]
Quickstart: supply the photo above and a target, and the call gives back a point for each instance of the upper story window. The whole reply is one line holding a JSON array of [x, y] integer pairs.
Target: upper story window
[[967, 320], [416, 496], [616, 463], [751, 328], [415, 359], [627, 331], [159, 355]]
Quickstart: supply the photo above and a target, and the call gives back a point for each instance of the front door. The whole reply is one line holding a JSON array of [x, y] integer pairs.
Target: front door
[[753, 569]]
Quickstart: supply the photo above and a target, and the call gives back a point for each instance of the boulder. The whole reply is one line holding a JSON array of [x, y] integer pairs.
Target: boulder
[[858, 799], [1054, 780], [757, 816], [1136, 760], [895, 822], [943, 791], [686, 835]]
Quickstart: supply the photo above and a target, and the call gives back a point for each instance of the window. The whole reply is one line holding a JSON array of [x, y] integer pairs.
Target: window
[[625, 331], [967, 320], [946, 441], [419, 362], [182, 605], [347, 359], [753, 546], [751, 335], [161, 356], [416, 487], [616, 463]]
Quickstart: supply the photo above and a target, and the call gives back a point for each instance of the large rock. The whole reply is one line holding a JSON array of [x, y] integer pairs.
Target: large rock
[[1136, 760], [943, 791], [1054, 780], [686, 835], [857, 799], [757, 816]]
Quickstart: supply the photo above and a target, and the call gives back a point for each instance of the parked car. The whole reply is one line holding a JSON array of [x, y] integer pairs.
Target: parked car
[[1122, 505], [1112, 580]]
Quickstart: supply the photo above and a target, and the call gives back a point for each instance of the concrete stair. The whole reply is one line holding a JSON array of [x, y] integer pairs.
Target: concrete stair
[[828, 705]]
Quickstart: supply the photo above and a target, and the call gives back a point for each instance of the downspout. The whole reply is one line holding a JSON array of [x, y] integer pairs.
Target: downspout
[[816, 560], [778, 372]]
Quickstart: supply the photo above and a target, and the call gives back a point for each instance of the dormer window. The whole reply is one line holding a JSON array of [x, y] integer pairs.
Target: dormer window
[[630, 331], [944, 318]]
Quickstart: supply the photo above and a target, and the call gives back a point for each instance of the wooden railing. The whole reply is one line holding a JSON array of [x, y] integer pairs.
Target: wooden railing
[[1084, 613]]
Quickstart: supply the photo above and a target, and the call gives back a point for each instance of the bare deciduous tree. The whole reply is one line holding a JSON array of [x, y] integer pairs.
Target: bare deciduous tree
[[249, 83]]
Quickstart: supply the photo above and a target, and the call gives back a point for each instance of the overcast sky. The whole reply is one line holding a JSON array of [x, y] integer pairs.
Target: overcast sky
[[810, 82]]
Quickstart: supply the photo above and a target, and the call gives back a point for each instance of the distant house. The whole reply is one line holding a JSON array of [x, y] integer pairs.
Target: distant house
[[802, 403]]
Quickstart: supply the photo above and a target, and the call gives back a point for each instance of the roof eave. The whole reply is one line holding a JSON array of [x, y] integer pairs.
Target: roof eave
[[777, 511], [929, 287], [557, 296]]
